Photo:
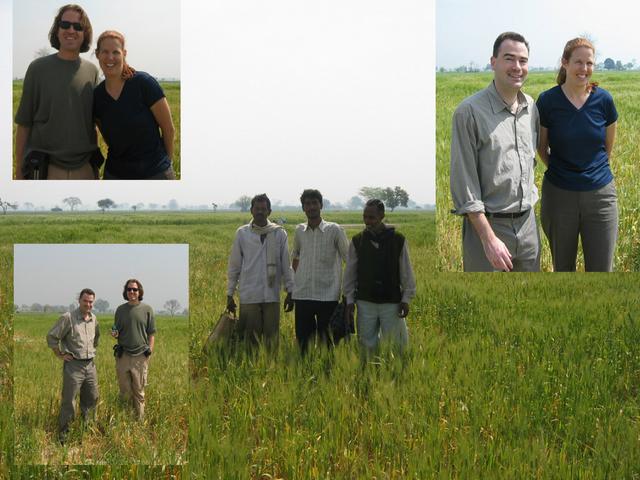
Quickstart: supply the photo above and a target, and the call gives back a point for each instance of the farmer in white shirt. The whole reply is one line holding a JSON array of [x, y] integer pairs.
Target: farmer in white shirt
[[258, 265], [319, 249]]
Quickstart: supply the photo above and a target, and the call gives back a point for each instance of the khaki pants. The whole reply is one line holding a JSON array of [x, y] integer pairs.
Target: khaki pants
[[77, 376], [85, 172], [520, 235], [132, 378], [260, 321]]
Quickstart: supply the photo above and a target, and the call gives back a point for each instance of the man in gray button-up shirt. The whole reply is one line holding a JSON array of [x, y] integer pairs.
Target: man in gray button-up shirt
[[74, 339], [493, 144]]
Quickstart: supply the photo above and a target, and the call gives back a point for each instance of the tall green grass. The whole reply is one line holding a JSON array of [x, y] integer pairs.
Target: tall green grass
[[172, 93], [210, 236], [451, 89], [506, 376], [115, 437], [527, 376]]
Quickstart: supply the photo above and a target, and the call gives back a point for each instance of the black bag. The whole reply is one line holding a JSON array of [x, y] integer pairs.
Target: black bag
[[338, 326], [118, 350], [35, 166]]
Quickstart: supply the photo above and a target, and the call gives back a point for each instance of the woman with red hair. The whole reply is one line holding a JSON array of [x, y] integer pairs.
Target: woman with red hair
[[131, 110], [577, 132]]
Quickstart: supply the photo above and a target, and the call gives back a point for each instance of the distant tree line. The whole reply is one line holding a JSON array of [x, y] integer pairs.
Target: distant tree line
[[171, 307], [392, 197], [608, 64]]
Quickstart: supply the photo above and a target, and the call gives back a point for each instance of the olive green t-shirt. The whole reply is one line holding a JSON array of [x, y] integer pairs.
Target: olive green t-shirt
[[57, 105], [134, 324]]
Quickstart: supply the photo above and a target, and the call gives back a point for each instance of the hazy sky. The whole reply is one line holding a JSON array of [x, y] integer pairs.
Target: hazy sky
[[280, 96], [55, 274], [466, 29], [151, 29]]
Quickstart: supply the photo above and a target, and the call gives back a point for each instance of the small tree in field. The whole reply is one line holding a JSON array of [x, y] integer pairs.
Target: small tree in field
[[101, 305], [355, 203], [392, 197], [105, 204], [73, 202], [244, 202], [372, 192], [172, 306], [6, 205]]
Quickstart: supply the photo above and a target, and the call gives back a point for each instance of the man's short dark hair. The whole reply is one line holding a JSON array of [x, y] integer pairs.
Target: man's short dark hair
[[87, 291], [87, 30], [311, 193], [140, 289], [516, 37], [374, 202], [262, 197]]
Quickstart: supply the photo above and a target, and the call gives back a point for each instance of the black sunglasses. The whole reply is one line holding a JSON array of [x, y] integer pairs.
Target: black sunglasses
[[66, 25], [132, 289]]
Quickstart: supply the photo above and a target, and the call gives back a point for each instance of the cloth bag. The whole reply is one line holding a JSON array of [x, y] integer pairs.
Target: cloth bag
[[223, 331]]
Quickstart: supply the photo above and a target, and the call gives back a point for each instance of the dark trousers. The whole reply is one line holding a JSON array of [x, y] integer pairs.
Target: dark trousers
[[312, 317]]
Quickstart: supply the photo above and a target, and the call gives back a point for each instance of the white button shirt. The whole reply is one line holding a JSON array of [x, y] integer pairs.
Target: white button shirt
[[248, 267], [320, 252]]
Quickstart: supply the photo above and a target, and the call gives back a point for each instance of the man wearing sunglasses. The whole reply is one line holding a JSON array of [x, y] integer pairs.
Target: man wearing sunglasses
[[55, 134], [135, 329]]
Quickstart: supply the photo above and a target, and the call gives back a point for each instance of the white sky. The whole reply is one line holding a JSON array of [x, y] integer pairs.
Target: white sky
[[466, 29], [55, 274], [280, 96], [151, 30]]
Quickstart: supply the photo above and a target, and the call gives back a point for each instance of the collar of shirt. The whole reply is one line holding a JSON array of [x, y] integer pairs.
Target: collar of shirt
[[80, 316], [498, 104], [322, 225]]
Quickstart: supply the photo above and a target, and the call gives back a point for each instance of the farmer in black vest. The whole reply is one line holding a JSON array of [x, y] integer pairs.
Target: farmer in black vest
[[379, 279]]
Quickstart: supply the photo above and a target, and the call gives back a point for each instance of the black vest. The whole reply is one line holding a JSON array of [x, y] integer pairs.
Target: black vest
[[379, 266]]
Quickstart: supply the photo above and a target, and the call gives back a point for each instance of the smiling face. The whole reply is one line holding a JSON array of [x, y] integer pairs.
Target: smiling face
[[511, 66], [86, 303], [111, 56], [579, 67], [70, 39], [133, 292]]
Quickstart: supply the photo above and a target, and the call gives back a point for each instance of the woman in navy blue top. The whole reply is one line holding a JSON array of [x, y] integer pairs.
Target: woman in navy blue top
[[577, 132], [131, 110]]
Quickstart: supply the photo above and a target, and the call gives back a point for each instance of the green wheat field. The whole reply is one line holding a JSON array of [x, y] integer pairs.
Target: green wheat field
[[506, 376], [115, 436], [171, 91], [451, 89]]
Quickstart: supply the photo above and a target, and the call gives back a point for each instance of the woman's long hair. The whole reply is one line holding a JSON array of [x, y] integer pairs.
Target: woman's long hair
[[127, 70], [566, 55]]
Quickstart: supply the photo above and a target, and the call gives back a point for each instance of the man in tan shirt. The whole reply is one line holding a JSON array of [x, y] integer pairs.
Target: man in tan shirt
[[74, 339], [493, 145]]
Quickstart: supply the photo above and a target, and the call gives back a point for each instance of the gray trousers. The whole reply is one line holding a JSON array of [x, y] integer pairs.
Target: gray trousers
[[592, 215], [520, 235], [259, 322], [77, 376]]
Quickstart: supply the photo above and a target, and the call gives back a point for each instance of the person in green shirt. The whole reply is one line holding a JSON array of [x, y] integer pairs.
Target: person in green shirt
[[135, 329], [54, 118]]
